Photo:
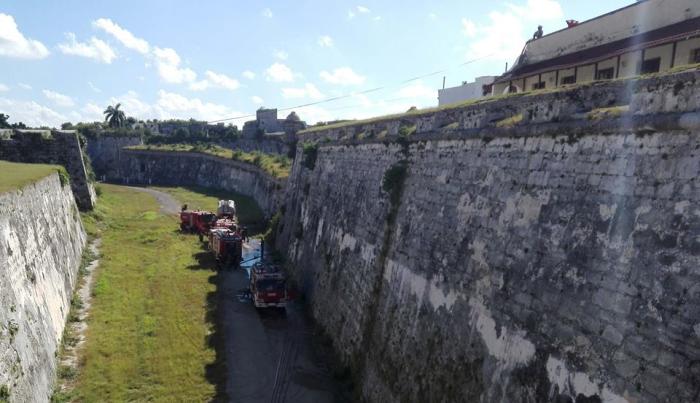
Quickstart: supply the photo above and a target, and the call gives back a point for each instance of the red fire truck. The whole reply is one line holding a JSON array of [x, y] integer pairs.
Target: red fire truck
[[268, 286], [196, 221], [227, 247]]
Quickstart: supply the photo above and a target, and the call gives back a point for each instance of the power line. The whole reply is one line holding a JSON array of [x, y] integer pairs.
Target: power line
[[352, 94]]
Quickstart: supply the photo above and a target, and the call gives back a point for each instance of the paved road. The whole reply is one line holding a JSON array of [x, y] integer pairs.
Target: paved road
[[269, 354]]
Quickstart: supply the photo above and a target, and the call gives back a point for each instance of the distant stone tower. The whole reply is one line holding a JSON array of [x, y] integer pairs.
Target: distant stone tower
[[292, 124], [267, 120]]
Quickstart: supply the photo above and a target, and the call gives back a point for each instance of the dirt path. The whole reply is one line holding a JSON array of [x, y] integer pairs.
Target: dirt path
[[168, 204], [74, 336]]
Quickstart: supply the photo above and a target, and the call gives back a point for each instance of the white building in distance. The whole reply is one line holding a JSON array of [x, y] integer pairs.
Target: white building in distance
[[467, 91]]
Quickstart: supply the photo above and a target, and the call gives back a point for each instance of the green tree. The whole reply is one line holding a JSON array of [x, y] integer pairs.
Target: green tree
[[3, 121], [114, 117]]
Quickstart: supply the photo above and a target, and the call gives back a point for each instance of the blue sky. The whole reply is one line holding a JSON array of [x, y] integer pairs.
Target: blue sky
[[67, 60]]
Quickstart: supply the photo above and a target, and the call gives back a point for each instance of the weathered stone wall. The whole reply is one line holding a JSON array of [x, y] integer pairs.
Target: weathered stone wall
[[41, 243], [183, 169], [268, 145], [555, 260], [51, 147], [105, 152]]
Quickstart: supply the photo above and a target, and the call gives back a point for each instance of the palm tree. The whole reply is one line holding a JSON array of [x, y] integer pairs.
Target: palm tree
[[114, 117]]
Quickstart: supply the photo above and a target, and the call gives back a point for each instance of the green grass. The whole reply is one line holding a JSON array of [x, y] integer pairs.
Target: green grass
[[510, 121], [277, 166], [15, 176], [150, 328], [606, 113]]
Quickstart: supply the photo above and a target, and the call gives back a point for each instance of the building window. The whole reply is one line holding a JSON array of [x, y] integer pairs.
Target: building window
[[695, 57], [539, 86], [606, 74], [568, 80], [651, 66], [512, 89]]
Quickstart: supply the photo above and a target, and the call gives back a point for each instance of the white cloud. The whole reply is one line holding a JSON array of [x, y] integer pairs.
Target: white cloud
[[25, 86], [267, 13], [172, 105], [122, 35], [222, 80], [4, 88], [249, 75], [342, 76], [307, 91], [91, 113], [279, 73], [256, 100], [314, 114], [14, 44], [58, 98], [132, 105], [418, 91], [361, 10], [280, 54], [168, 64], [506, 32], [215, 80], [95, 49], [469, 28], [93, 87], [31, 113], [432, 16], [325, 41]]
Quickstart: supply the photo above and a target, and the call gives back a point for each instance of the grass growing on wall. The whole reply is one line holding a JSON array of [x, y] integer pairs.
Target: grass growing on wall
[[150, 325], [277, 166], [15, 176]]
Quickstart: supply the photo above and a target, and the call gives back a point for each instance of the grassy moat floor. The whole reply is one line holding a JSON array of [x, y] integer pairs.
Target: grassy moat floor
[[16, 176], [151, 334]]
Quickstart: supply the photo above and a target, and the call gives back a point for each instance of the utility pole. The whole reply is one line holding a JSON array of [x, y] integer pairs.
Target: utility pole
[[443, 82]]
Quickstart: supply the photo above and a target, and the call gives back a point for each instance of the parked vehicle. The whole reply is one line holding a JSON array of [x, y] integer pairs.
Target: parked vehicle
[[268, 286], [198, 222], [226, 209], [227, 247]]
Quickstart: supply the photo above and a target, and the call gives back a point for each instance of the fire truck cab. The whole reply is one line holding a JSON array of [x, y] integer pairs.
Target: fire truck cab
[[268, 286], [227, 247], [196, 221]]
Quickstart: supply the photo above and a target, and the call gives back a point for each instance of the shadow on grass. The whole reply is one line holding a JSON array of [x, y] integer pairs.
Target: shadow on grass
[[216, 371], [205, 261]]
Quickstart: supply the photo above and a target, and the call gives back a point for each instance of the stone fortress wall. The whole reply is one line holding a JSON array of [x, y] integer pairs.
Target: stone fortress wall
[[41, 244], [51, 147], [536, 248], [194, 169]]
